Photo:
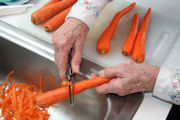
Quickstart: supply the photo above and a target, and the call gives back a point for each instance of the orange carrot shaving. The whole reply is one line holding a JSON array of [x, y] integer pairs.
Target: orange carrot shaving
[[18, 101], [51, 79], [66, 83], [40, 84]]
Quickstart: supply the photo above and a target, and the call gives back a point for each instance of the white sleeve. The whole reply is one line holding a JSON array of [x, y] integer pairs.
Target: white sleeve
[[87, 10], [167, 86]]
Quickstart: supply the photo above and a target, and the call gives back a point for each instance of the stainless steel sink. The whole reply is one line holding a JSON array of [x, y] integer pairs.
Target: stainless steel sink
[[30, 57]]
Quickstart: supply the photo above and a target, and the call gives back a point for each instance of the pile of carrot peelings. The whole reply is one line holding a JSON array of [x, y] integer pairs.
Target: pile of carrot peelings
[[18, 101]]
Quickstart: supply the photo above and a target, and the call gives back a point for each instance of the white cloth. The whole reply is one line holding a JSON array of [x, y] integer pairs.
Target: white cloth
[[167, 85], [87, 10]]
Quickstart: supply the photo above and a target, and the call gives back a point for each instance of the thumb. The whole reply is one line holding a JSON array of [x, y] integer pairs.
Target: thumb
[[129, 62]]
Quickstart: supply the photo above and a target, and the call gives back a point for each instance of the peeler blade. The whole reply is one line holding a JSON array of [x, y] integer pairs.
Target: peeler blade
[[70, 74]]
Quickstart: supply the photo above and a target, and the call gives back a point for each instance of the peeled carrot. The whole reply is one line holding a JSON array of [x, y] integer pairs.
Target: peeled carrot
[[56, 21], [129, 43], [45, 13], [47, 4], [138, 54], [103, 44], [60, 94]]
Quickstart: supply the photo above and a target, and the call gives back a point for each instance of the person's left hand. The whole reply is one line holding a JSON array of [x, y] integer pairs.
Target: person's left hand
[[128, 78]]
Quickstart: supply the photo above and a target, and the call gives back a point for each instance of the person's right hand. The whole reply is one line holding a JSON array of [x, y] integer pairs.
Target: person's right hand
[[71, 34]]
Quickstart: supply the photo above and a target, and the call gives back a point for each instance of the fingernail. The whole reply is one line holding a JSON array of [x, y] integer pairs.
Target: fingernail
[[101, 73], [76, 69]]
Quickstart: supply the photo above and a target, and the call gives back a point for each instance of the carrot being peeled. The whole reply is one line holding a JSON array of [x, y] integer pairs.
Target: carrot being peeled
[[129, 43], [138, 54], [103, 44], [51, 97], [45, 13], [56, 21]]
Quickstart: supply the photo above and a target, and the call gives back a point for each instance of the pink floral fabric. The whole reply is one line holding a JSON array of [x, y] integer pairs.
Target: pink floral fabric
[[174, 93]]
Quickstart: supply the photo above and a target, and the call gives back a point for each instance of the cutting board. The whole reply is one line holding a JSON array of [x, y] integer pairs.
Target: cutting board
[[161, 34]]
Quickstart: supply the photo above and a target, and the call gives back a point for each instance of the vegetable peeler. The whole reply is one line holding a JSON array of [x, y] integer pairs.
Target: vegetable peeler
[[70, 74]]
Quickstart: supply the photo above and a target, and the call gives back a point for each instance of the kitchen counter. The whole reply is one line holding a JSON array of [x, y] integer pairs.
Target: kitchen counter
[[151, 108]]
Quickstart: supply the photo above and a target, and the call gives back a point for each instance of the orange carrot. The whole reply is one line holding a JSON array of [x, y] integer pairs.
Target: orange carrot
[[138, 54], [56, 21], [45, 13], [129, 43], [103, 44], [50, 2], [60, 94]]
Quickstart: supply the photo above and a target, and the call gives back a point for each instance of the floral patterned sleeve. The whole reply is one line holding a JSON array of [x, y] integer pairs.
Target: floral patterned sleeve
[[87, 10], [167, 85]]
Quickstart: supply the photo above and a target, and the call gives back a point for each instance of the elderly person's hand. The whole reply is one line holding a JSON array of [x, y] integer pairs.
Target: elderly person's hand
[[128, 78], [71, 34]]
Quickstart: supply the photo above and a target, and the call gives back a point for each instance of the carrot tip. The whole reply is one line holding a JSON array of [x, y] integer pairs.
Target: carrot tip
[[46, 29], [33, 20], [102, 52], [139, 60], [125, 53]]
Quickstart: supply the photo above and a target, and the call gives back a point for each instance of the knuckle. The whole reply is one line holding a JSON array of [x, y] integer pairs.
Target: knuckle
[[54, 39], [63, 43], [120, 88]]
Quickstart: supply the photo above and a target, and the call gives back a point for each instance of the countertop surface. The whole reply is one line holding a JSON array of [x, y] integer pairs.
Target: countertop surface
[[158, 36]]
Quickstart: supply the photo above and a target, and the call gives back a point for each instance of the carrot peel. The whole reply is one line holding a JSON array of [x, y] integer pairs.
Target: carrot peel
[[66, 83], [18, 101]]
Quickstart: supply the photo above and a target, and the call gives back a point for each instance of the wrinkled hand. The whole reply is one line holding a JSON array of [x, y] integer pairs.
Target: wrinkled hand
[[128, 78], [71, 34]]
